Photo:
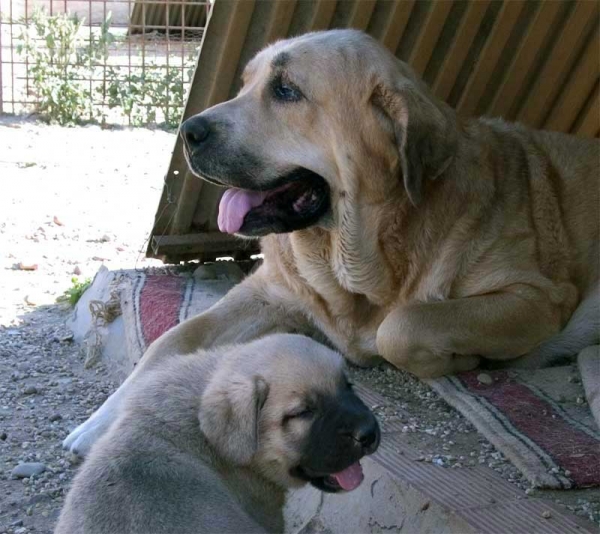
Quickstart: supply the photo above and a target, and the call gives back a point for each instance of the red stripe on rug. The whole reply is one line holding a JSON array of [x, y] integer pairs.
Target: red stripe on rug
[[160, 301], [536, 419]]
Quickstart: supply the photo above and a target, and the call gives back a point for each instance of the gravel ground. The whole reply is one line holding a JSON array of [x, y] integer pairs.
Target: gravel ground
[[81, 197], [73, 199]]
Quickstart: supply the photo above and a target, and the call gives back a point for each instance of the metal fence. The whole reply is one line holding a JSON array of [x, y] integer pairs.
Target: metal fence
[[115, 61]]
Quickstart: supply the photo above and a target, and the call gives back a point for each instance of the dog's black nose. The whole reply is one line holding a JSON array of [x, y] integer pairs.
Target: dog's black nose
[[195, 131], [367, 434]]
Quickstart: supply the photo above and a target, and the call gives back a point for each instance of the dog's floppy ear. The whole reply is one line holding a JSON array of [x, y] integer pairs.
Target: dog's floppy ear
[[426, 136], [230, 412]]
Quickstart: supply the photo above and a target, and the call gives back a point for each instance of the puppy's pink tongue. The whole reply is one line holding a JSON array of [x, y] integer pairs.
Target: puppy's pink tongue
[[350, 478], [234, 205]]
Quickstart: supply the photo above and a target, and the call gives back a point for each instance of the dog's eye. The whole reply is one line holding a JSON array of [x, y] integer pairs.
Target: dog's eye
[[301, 413], [285, 92]]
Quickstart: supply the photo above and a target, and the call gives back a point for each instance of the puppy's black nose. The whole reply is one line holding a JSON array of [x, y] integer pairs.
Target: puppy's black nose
[[195, 131], [367, 434]]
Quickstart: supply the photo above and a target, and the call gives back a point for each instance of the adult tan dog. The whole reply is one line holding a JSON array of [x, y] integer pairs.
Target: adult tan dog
[[210, 442], [392, 228]]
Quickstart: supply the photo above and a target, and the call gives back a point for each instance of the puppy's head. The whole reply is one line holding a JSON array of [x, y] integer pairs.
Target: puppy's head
[[283, 407], [321, 119]]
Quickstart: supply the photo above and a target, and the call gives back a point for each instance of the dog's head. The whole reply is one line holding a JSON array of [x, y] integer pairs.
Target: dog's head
[[320, 118], [284, 407]]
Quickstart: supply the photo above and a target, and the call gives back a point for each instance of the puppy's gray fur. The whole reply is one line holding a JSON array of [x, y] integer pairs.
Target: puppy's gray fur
[[188, 453]]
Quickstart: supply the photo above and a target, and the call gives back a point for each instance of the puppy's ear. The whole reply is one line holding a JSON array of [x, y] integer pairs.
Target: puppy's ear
[[230, 413], [425, 132]]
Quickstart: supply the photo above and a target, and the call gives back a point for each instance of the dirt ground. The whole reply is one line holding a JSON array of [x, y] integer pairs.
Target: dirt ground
[[72, 200], [77, 198]]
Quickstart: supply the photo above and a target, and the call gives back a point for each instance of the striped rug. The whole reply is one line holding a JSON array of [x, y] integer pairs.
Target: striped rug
[[538, 420]]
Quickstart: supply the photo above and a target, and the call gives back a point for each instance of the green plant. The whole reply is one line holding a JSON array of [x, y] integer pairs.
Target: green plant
[[74, 293], [148, 90], [60, 63]]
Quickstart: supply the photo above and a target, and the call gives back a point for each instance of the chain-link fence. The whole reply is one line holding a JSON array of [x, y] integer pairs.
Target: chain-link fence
[[110, 61]]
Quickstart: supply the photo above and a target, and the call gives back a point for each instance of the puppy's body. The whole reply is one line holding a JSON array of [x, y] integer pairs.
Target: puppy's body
[[406, 232], [199, 447], [155, 472]]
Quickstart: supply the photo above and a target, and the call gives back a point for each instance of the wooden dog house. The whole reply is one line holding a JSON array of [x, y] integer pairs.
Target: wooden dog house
[[536, 62]]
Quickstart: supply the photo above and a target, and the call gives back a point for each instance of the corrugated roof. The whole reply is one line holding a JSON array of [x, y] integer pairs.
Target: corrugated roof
[[532, 61]]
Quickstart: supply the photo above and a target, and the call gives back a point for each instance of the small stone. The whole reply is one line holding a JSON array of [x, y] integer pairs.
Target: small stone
[[77, 270], [420, 459], [28, 469], [546, 514], [3, 436], [528, 491], [31, 300], [98, 258], [567, 473], [484, 378], [580, 400], [26, 266], [30, 390], [68, 337], [18, 523], [57, 221], [21, 530], [105, 238], [55, 417]]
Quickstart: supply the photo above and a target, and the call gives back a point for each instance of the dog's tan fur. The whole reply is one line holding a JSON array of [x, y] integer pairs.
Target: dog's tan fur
[[190, 452], [448, 240]]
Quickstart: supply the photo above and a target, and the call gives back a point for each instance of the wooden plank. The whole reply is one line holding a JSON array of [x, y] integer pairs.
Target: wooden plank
[[579, 86], [390, 33], [221, 49], [429, 35], [361, 14], [524, 59], [507, 17], [208, 242], [178, 181], [589, 122], [567, 46], [280, 20], [322, 15], [460, 48]]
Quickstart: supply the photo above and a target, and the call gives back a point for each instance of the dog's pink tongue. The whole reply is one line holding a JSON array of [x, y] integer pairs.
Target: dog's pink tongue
[[235, 204], [350, 478]]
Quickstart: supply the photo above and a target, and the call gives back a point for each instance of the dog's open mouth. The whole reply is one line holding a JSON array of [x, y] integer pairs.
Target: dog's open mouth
[[346, 480], [298, 203]]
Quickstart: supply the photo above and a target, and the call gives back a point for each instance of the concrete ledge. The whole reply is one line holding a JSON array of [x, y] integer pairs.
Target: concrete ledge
[[401, 494]]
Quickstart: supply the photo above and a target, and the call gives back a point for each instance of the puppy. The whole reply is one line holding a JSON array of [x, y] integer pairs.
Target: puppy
[[209, 442]]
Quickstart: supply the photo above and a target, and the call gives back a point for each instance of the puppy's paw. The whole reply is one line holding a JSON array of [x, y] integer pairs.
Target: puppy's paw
[[80, 440]]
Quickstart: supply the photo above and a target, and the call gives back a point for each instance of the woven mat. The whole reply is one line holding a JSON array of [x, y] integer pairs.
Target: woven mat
[[534, 418], [538, 419]]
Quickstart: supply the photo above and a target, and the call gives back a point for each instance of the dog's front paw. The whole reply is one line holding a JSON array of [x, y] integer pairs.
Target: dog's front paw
[[80, 440]]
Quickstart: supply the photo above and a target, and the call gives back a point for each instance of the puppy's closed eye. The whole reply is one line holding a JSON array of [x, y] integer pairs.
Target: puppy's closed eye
[[302, 412]]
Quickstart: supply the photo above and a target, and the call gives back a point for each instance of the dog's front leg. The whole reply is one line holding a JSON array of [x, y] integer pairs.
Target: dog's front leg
[[254, 308], [441, 338]]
